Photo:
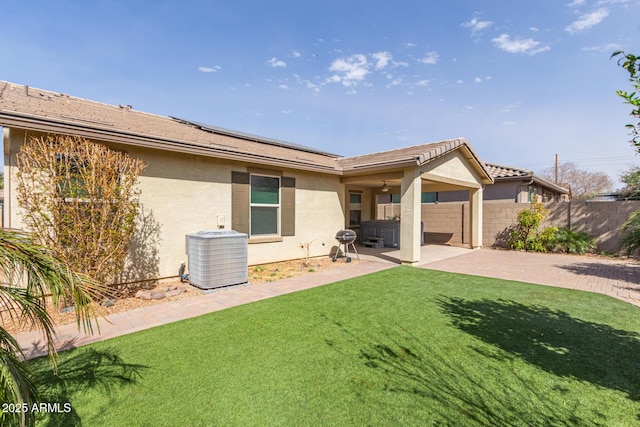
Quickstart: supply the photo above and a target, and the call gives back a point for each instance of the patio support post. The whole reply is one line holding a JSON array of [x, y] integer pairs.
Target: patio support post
[[410, 217], [475, 218]]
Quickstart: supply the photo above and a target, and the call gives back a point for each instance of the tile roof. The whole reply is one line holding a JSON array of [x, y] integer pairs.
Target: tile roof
[[47, 111], [500, 171], [34, 108], [415, 155]]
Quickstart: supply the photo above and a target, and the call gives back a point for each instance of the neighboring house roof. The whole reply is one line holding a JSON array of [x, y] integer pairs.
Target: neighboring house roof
[[504, 173], [46, 111]]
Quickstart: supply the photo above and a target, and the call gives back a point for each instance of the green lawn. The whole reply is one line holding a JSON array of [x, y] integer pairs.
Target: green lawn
[[405, 346]]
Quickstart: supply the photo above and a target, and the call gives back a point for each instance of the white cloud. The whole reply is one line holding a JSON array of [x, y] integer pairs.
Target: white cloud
[[576, 3], [603, 48], [525, 46], [478, 80], [509, 123], [349, 71], [296, 54], [276, 63], [213, 69], [395, 82], [409, 45], [477, 25], [289, 111], [307, 83], [382, 59], [430, 58], [423, 83], [511, 107], [283, 87], [587, 21], [460, 82]]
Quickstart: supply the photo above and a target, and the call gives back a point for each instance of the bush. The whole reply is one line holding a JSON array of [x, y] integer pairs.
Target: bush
[[570, 241], [631, 242], [525, 235], [81, 199]]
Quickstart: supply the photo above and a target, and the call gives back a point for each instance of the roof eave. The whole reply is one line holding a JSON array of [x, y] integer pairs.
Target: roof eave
[[550, 185]]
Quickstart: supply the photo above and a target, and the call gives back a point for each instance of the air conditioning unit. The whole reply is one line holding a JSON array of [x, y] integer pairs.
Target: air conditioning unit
[[217, 258]]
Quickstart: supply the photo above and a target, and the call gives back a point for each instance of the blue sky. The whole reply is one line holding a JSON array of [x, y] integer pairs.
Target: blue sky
[[521, 80]]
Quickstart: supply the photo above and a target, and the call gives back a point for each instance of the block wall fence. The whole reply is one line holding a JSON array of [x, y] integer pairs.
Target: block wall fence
[[448, 223]]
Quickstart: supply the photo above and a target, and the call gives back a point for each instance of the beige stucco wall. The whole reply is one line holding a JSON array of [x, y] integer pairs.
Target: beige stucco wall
[[452, 166], [182, 194]]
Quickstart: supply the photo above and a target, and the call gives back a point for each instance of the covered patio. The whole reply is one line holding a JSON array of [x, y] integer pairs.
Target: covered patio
[[411, 173], [428, 254]]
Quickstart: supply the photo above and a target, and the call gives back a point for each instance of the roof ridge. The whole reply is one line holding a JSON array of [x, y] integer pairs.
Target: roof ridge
[[460, 139]]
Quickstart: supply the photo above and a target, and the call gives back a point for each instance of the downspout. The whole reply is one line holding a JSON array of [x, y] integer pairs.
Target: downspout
[[462, 221], [527, 187]]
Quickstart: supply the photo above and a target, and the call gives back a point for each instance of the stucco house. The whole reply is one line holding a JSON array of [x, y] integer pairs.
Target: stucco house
[[201, 177], [515, 185]]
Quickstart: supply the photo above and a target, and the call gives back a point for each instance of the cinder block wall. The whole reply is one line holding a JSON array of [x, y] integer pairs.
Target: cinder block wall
[[448, 223]]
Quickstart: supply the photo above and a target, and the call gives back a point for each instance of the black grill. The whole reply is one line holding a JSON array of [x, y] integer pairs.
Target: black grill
[[346, 238]]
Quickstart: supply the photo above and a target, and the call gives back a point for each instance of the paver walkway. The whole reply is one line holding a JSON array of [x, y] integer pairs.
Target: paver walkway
[[160, 314], [617, 278]]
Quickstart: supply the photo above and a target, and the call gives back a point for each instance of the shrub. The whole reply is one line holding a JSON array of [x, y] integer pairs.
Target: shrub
[[570, 241], [631, 241], [525, 235], [81, 199]]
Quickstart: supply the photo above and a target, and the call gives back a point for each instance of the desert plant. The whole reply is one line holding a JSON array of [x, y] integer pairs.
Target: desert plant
[[306, 247], [29, 274], [631, 229], [525, 235], [80, 199], [571, 241]]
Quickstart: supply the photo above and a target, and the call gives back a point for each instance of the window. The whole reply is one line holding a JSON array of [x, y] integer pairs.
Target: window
[[426, 197], [70, 181], [264, 205], [429, 197], [355, 209]]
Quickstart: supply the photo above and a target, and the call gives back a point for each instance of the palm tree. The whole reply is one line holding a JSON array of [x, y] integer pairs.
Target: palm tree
[[29, 274]]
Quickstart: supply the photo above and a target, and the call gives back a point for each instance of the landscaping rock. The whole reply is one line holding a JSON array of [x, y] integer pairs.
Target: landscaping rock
[[165, 289], [143, 294], [157, 295], [174, 292], [108, 302], [70, 309]]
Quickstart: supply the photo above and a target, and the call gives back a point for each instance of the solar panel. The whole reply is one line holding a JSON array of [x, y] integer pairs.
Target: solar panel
[[247, 136]]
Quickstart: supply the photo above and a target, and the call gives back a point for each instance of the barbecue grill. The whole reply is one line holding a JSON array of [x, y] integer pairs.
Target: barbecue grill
[[346, 238]]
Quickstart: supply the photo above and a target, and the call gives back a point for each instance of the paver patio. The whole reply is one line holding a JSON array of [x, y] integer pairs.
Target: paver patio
[[615, 277], [619, 278]]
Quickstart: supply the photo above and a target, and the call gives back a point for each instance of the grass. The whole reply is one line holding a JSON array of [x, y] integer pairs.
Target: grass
[[404, 346]]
